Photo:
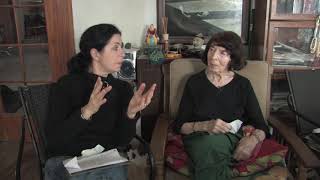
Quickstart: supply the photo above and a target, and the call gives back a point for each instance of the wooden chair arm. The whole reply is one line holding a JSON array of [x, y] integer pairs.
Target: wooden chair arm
[[303, 152], [159, 137], [158, 144]]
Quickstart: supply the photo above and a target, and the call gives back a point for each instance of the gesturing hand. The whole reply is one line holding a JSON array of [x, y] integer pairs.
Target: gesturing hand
[[218, 126], [140, 100], [96, 99]]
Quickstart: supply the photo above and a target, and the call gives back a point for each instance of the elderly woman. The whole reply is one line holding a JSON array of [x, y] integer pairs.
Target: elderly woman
[[211, 100]]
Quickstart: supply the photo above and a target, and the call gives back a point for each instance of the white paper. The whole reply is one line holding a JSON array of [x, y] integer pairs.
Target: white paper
[[98, 160], [236, 124], [96, 150], [73, 163], [317, 130]]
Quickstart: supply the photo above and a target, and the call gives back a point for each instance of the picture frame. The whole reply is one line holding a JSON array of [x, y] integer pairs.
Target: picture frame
[[187, 18]]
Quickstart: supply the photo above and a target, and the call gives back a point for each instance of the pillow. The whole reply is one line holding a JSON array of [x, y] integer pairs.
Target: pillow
[[175, 155], [265, 155]]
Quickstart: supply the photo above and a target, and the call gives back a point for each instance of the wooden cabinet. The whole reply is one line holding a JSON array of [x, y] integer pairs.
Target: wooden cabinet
[[282, 33], [149, 74], [36, 41], [293, 9], [283, 30]]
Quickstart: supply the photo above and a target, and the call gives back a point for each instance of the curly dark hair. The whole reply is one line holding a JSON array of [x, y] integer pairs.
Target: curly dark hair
[[232, 43]]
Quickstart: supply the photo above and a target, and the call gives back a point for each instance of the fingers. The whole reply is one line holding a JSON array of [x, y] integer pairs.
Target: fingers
[[225, 126], [97, 86], [141, 89], [103, 92], [149, 94], [97, 97], [219, 126]]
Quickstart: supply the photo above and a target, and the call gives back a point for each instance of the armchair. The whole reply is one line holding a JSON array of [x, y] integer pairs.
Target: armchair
[[175, 76], [35, 102]]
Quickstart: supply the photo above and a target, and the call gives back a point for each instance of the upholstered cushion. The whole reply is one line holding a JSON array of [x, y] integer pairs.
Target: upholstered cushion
[[258, 72], [180, 71], [269, 153]]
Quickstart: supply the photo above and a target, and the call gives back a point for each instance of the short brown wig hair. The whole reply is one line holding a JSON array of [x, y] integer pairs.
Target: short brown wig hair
[[232, 43]]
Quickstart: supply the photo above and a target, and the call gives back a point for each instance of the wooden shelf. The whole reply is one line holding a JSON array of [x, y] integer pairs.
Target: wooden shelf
[[284, 68]]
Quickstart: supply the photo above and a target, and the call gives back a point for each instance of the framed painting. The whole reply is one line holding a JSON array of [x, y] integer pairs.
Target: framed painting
[[188, 18]]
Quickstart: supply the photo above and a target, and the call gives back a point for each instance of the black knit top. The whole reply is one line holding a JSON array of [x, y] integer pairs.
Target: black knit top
[[68, 134], [203, 101]]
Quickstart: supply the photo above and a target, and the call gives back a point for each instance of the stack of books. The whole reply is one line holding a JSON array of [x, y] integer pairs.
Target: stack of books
[[279, 101]]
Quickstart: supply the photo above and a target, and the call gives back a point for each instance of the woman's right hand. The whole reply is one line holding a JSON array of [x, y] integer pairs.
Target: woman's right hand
[[97, 98], [218, 126]]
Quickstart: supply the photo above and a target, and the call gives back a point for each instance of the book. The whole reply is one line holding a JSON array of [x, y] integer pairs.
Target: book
[[107, 158], [309, 7]]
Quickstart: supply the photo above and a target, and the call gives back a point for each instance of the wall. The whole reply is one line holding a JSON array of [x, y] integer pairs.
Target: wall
[[131, 16]]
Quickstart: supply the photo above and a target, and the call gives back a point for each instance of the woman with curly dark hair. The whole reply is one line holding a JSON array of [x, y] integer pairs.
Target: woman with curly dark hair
[[211, 100]]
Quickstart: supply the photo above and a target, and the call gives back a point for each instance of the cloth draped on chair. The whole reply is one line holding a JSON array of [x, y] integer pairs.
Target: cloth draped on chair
[[181, 150]]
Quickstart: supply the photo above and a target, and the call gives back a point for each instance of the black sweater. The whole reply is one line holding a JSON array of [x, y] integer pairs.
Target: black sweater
[[202, 101], [68, 134]]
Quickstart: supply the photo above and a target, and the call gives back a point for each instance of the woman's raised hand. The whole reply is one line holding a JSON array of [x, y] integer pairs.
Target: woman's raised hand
[[218, 126], [97, 98], [140, 100]]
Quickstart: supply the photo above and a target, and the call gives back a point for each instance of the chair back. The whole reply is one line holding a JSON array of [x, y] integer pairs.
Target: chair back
[[177, 73], [35, 104], [304, 90]]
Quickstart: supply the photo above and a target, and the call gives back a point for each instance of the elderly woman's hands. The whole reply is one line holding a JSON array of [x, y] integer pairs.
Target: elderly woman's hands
[[247, 144], [97, 98], [139, 101], [218, 126], [212, 126], [245, 148]]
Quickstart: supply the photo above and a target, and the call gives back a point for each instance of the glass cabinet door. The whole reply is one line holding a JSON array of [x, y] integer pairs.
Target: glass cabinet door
[[8, 33], [294, 9], [33, 25], [289, 44], [24, 53], [5, 2], [28, 2]]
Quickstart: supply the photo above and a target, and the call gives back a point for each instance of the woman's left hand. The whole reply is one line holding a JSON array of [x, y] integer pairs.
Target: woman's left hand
[[140, 100], [245, 148]]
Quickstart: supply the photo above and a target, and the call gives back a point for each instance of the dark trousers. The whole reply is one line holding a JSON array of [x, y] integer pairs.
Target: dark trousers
[[54, 170]]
